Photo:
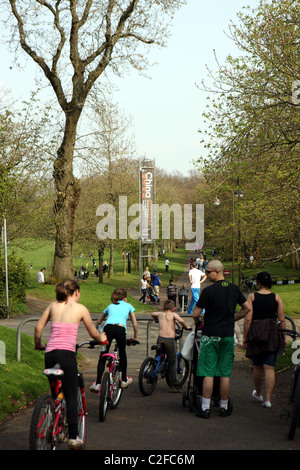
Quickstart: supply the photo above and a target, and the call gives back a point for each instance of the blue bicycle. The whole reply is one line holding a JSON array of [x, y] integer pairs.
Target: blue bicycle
[[154, 367]]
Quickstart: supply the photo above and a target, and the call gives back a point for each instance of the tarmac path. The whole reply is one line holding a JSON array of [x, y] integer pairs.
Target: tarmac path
[[160, 424]]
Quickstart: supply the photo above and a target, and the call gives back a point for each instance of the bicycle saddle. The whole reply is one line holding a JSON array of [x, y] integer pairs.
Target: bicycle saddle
[[156, 347], [56, 370]]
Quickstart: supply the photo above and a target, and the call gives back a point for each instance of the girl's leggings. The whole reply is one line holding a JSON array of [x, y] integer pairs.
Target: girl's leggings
[[118, 333]]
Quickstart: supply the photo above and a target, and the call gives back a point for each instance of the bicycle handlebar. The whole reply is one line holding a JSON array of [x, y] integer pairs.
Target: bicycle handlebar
[[92, 343], [132, 342], [179, 331]]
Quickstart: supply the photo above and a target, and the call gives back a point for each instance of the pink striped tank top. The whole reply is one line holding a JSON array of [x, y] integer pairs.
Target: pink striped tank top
[[62, 336]]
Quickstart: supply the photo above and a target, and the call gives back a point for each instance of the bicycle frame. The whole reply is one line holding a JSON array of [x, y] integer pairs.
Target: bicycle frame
[[58, 425], [162, 362], [112, 364], [161, 366]]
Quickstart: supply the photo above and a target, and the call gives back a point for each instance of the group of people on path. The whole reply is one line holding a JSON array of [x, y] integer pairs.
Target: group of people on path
[[150, 283], [196, 278], [261, 338]]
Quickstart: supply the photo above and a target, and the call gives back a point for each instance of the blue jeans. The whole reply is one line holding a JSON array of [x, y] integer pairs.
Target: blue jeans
[[194, 299]]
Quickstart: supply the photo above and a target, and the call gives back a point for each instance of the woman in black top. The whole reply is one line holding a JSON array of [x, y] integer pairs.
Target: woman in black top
[[262, 340]]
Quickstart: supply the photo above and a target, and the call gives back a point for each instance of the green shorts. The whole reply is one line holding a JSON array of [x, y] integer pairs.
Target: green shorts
[[215, 356]]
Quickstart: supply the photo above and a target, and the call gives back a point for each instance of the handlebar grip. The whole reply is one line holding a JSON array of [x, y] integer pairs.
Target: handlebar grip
[[132, 342]]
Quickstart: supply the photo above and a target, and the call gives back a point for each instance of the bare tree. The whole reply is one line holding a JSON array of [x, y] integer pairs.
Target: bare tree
[[74, 43]]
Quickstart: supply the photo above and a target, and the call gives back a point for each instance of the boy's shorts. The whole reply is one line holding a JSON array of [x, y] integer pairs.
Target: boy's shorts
[[216, 356]]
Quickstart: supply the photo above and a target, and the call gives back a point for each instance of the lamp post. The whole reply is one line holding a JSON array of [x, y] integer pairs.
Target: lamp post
[[239, 194]]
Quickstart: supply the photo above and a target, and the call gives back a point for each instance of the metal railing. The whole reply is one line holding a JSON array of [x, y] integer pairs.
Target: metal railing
[[18, 352], [148, 333]]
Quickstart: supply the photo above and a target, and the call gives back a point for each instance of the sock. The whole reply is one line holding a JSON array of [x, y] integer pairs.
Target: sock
[[205, 403], [224, 404]]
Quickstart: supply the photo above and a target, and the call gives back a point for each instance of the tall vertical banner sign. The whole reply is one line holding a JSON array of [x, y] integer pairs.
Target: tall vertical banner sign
[[147, 201]]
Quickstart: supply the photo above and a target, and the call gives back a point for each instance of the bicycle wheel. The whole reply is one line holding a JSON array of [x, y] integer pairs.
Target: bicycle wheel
[[117, 390], [182, 370], [245, 287], [295, 415], [81, 418], [104, 396], [183, 367], [290, 324], [147, 379], [43, 416]]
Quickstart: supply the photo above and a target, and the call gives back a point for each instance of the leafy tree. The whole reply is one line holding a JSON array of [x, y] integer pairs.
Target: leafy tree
[[74, 43], [253, 135], [24, 172]]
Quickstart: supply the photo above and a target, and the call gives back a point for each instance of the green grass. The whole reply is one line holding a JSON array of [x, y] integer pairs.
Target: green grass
[[20, 382], [94, 296], [286, 360]]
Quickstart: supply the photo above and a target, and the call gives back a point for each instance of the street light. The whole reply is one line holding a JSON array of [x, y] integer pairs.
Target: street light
[[239, 194]]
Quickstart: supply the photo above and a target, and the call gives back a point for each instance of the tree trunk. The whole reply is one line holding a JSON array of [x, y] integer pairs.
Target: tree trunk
[[67, 198]]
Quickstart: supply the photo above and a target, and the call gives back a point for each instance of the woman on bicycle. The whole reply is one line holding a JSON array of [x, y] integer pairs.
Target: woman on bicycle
[[116, 315], [262, 340], [65, 315]]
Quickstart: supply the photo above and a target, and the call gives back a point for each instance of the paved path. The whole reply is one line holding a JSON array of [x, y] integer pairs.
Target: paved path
[[160, 421]]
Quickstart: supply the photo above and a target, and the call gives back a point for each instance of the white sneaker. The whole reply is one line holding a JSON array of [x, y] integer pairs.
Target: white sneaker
[[75, 443], [95, 387], [257, 397], [266, 404], [128, 382]]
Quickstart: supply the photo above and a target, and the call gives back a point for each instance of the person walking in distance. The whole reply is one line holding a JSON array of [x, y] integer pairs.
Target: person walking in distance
[[262, 340], [156, 283], [216, 352], [195, 276], [144, 287], [171, 291]]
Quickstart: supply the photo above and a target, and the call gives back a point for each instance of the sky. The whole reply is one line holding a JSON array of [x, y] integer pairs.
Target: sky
[[166, 110]]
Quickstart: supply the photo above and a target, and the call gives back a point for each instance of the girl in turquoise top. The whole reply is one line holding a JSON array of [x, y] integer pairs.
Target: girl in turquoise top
[[116, 316]]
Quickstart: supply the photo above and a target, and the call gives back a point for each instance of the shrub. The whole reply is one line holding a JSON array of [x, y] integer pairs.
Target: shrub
[[18, 279]]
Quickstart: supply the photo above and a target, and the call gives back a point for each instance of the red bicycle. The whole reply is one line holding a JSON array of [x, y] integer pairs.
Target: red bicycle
[[49, 426]]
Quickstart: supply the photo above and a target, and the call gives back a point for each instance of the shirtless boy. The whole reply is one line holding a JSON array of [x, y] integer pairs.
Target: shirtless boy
[[166, 337]]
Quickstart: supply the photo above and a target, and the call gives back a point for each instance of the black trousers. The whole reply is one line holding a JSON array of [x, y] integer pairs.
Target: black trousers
[[118, 333], [67, 361]]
